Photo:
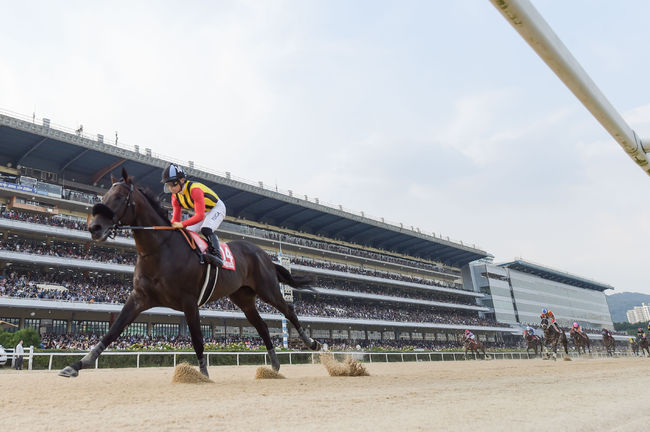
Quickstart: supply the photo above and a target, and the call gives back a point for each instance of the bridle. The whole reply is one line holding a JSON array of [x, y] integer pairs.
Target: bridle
[[103, 209]]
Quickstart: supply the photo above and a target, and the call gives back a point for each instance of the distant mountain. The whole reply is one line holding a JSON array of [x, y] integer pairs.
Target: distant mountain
[[620, 303]]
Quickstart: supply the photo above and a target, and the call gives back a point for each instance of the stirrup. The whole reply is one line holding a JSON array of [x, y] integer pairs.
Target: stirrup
[[212, 259]]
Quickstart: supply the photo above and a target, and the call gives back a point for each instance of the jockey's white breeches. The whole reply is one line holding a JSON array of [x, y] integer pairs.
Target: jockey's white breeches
[[212, 219]]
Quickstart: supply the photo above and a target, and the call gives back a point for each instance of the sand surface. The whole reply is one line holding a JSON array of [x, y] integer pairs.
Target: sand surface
[[581, 395]]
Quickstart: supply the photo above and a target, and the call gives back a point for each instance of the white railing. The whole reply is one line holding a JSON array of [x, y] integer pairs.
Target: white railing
[[302, 357]]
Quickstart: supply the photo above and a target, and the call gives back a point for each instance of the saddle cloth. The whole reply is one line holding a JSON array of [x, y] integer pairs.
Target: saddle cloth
[[226, 254]]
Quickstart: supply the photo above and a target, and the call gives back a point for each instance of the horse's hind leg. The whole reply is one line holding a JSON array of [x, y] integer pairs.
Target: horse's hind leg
[[191, 311], [275, 299], [244, 298]]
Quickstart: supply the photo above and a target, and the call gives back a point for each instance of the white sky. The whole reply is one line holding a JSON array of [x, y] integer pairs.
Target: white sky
[[435, 114]]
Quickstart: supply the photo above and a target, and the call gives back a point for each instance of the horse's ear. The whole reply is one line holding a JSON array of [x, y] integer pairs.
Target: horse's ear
[[125, 176], [113, 178]]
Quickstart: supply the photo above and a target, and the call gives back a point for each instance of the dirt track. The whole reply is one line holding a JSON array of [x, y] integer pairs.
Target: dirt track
[[482, 395]]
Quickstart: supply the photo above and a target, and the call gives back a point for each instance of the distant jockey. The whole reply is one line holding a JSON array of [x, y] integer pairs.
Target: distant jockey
[[529, 331], [469, 336], [640, 335], [576, 328], [606, 333], [209, 210], [549, 315]]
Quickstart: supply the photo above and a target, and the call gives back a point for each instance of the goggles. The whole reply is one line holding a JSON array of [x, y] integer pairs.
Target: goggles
[[170, 184]]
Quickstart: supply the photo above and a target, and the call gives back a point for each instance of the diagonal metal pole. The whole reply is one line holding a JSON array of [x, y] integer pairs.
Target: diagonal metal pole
[[528, 22]]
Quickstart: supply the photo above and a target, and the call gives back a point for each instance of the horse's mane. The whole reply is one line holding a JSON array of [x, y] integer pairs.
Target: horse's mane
[[155, 203]]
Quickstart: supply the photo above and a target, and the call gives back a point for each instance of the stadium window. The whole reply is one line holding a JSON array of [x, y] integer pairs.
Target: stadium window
[[136, 329], [32, 323]]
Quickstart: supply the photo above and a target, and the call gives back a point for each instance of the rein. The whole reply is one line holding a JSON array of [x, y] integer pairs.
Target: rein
[[188, 238]]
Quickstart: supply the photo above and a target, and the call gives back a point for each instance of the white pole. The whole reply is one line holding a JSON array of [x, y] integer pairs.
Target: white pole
[[523, 16]]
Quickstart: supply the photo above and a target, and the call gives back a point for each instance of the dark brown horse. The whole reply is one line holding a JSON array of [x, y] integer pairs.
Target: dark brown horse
[[533, 342], [581, 341], [610, 343], [168, 273], [634, 346], [645, 346], [553, 337], [476, 347]]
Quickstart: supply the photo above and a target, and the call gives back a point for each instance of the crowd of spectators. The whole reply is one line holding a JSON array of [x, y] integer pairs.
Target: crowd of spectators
[[51, 220], [85, 342], [392, 291], [109, 289], [64, 249], [328, 265], [346, 250]]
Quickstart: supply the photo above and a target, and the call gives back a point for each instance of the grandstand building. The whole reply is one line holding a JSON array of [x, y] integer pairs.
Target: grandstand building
[[377, 283], [518, 291]]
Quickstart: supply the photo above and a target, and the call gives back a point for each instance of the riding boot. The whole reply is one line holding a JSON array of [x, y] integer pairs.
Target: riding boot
[[213, 246]]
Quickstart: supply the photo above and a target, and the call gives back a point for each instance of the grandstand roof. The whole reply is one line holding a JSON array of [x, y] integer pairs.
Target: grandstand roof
[[78, 160], [556, 275]]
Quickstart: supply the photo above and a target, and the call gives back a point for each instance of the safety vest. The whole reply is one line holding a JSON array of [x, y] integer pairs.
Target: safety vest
[[185, 199]]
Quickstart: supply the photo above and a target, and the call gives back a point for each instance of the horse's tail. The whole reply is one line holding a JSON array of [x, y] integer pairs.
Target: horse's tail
[[299, 283]]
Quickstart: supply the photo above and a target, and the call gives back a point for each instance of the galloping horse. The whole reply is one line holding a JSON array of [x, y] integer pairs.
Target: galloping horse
[[645, 346], [581, 341], [168, 273], [553, 337], [610, 344], [533, 342], [476, 347]]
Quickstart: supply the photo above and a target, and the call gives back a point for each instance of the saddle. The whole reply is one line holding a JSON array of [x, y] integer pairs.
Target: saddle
[[199, 245]]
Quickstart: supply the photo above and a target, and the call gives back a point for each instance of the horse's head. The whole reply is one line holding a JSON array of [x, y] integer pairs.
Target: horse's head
[[544, 323], [117, 208]]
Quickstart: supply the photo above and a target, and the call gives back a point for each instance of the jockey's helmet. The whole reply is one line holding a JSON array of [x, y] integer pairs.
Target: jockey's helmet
[[640, 329], [171, 173], [575, 324], [544, 311], [466, 331]]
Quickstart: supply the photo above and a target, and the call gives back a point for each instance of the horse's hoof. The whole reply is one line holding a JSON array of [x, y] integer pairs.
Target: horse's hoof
[[69, 372], [204, 371], [315, 346]]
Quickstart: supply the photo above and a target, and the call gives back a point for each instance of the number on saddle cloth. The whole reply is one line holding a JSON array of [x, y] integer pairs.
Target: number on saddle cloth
[[226, 254]]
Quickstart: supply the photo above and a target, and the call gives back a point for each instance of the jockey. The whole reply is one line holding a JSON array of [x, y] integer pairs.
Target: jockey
[[530, 331], [640, 335], [191, 195], [606, 332], [549, 314], [469, 335], [577, 328]]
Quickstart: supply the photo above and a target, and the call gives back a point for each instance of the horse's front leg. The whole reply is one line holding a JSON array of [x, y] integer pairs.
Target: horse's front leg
[[191, 311], [132, 308]]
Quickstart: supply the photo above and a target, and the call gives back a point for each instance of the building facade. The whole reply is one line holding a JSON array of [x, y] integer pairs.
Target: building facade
[[639, 314], [519, 290]]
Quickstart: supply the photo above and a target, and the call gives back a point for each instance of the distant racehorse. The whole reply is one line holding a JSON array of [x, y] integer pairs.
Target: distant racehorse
[[610, 343], [552, 337], [645, 346], [476, 347], [635, 347], [581, 341], [533, 342]]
